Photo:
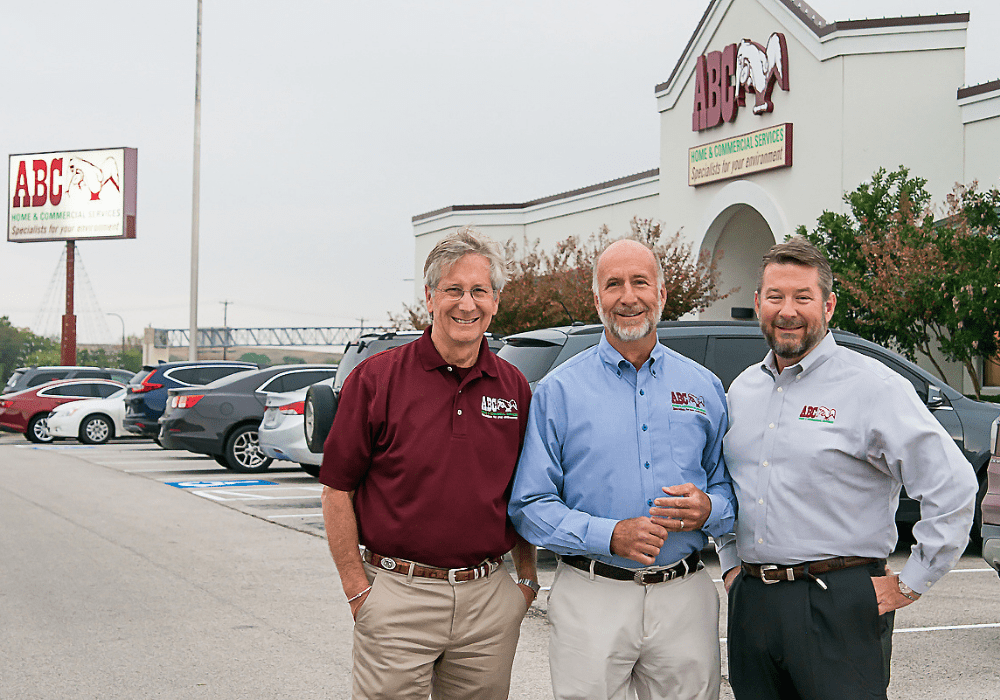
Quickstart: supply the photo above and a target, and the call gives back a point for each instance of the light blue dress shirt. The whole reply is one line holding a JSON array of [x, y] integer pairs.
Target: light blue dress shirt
[[602, 441], [818, 454]]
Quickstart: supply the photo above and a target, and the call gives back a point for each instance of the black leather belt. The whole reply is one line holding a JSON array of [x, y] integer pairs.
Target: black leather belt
[[643, 577]]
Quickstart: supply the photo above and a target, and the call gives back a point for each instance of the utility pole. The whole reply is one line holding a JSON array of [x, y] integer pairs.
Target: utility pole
[[225, 326], [195, 196], [67, 349]]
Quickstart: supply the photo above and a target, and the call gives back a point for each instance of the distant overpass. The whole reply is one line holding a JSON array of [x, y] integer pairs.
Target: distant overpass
[[329, 336]]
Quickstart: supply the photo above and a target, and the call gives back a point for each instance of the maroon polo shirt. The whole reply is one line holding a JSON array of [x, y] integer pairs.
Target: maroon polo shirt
[[430, 451]]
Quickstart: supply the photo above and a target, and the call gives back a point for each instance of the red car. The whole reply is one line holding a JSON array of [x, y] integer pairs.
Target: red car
[[25, 411]]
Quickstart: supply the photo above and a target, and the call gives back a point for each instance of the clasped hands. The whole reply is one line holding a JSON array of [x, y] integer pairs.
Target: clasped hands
[[684, 508]]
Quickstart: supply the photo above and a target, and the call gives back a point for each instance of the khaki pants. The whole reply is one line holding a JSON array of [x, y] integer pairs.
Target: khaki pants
[[610, 639], [418, 637]]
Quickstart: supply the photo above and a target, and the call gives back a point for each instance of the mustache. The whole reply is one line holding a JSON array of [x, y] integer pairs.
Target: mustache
[[630, 309]]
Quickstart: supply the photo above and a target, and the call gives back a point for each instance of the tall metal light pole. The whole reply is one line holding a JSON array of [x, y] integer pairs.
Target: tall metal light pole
[[193, 345], [112, 313]]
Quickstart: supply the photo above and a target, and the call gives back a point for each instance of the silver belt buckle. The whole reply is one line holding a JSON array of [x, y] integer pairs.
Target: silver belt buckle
[[765, 568]]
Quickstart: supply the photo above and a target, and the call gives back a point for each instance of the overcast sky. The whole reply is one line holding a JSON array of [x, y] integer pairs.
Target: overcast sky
[[325, 127]]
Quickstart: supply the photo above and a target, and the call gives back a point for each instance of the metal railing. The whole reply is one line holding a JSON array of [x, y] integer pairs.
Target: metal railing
[[262, 337]]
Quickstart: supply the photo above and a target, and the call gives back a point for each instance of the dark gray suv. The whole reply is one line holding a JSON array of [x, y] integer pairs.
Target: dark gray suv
[[729, 347]]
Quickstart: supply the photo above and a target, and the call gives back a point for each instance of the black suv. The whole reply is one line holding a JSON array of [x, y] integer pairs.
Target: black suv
[[729, 347], [146, 397]]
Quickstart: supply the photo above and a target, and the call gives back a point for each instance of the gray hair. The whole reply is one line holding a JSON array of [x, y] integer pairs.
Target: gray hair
[[597, 260], [457, 245], [797, 250]]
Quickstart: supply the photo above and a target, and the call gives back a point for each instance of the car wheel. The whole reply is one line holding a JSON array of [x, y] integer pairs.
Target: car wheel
[[38, 429], [320, 408], [96, 430], [243, 451], [310, 469]]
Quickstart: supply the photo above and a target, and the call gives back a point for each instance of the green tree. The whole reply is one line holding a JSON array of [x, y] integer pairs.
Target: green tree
[[256, 357], [908, 281], [555, 288]]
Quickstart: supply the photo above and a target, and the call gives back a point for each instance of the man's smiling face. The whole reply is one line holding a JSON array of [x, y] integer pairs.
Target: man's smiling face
[[462, 322], [793, 313], [629, 301]]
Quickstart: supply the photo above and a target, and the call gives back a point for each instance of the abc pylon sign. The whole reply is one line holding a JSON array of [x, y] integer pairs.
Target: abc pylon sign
[[72, 195]]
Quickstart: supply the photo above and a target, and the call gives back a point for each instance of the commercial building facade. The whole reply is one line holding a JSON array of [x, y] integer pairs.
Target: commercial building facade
[[769, 116]]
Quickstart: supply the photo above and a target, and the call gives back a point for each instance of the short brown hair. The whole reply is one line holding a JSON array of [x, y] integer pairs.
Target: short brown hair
[[798, 251]]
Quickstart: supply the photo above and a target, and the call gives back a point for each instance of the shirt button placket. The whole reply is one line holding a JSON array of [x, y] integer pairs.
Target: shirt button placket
[[642, 414]]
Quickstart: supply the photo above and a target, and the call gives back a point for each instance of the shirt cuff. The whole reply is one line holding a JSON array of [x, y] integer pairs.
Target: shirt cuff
[[714, 525], [917, 577], [599, 532], [728, 556]]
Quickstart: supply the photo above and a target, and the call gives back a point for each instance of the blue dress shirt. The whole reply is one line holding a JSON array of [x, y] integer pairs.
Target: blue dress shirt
[[602, 441]]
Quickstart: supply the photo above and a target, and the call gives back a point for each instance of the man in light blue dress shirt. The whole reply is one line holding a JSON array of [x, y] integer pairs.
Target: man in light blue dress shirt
[[821, 440], [622, 475]]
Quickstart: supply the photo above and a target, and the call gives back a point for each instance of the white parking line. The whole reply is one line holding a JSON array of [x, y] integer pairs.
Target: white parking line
[[225, 495], [946, 628], [297, 515]]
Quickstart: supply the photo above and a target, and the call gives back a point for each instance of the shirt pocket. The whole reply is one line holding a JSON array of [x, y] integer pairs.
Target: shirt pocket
[[688, 435]]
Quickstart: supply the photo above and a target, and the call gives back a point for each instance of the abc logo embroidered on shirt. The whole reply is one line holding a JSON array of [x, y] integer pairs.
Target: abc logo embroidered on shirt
[[499, 408], [819, 414], [681, 401]]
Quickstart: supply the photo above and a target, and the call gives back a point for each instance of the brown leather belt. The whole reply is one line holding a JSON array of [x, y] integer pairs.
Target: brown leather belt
[[772, 573], [402, 566], [643, 577]]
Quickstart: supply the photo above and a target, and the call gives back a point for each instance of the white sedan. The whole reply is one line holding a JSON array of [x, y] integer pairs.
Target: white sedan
[[281, 434], [91, 421]]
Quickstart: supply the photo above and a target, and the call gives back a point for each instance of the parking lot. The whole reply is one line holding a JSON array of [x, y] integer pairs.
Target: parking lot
[[945, 646]]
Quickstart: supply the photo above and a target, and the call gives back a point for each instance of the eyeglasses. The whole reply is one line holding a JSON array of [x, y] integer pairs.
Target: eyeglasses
[[456, 293]]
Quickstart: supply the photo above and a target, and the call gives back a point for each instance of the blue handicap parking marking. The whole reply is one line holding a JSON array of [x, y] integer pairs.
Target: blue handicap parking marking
[[217, 484]]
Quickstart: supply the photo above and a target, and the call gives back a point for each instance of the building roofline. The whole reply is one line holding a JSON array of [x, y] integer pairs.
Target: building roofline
[[980, 89], [544, 200], [821, 28]]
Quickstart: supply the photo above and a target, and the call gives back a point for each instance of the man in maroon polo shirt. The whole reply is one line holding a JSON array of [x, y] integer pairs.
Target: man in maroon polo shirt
[[418, 468]]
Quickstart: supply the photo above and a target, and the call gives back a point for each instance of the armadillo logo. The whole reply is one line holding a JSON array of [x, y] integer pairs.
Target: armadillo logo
[[683, 401], [723, 79], [819, 414], [499, 408]]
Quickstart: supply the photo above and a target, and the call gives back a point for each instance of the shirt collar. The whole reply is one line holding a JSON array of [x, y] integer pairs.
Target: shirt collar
[[430, 358], [814, 358], [614, 359]]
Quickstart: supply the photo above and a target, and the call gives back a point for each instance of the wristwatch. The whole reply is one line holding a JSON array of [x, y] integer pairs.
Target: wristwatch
[[907, 591], [533, 585]]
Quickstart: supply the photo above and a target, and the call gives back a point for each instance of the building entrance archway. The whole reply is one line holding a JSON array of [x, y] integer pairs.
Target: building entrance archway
[[737, 240]]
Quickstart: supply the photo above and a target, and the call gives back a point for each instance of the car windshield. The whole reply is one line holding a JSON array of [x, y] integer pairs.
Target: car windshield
[[230, 378], [18, 373], [139, 376], [532, 357]]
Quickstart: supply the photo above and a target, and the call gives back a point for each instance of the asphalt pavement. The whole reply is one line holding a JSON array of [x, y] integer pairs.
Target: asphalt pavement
[[127, 571]]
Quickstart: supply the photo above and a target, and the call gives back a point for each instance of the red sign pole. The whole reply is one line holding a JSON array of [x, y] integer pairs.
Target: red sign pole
[[68, 347]]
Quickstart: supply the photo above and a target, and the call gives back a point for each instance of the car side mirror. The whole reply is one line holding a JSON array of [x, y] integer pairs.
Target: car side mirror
[[318, 413], [935, 398]]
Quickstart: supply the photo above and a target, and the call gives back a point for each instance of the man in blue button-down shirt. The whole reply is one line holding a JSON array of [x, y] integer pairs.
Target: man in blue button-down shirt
[[622, 475]]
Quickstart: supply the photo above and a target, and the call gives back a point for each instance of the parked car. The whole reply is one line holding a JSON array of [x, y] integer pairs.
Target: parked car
[[91, 421], [26, 411], [27, 377], [990, 505], [147, 390], [729, 347], [281, 435], [222, 419], [314, 426]]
